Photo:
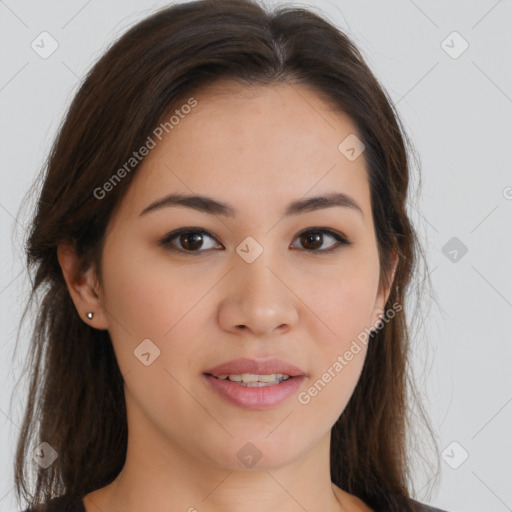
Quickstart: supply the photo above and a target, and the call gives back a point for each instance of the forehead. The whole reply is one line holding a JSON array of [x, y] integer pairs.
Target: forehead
[[278, 123], [253, 146]]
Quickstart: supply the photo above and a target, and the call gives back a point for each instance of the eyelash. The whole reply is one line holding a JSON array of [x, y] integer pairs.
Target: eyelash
[[166, 241]]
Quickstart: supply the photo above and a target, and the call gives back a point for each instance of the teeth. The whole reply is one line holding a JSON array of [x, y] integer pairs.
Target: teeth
[[253, 380]]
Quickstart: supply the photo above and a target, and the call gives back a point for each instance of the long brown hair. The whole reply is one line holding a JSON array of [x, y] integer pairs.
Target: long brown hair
[[76, 399]]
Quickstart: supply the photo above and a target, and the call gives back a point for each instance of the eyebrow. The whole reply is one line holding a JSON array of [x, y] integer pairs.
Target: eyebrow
[[213, 207]]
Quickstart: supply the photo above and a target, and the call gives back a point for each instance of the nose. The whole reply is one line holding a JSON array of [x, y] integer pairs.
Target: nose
[[258, 299]]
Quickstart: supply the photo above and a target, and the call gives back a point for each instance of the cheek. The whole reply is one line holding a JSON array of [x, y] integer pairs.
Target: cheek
[[340, 347], [342, 309], [340, 298], [340, 306], [147, 297], [155, 300]]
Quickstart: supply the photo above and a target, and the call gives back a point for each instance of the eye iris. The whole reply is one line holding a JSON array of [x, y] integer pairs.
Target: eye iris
[[311, 239], [194, 236]]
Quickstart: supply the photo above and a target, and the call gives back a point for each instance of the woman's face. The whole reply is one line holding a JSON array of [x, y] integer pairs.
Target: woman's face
[[258, 283]]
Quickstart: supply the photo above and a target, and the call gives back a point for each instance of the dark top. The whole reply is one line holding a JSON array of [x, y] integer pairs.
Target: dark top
[[75, 504]]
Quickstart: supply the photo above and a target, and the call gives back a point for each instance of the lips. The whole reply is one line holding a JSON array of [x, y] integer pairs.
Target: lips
[[257, 367], [254, 398]]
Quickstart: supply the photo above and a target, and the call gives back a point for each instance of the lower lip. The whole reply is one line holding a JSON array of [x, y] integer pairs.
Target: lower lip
[[258, 397]]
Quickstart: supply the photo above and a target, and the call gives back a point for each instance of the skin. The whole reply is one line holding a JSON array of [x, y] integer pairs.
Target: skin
[[257, 149]]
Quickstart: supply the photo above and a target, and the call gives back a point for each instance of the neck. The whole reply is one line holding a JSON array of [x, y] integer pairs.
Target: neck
[[153, 479]]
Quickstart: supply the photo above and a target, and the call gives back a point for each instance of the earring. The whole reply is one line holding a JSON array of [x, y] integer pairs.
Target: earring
[[90, 315]]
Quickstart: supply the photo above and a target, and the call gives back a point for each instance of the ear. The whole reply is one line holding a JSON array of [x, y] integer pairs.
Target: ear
[[82, 287], [383, 294]]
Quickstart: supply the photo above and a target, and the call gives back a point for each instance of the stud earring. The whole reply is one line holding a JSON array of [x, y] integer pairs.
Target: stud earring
[[90, 315]]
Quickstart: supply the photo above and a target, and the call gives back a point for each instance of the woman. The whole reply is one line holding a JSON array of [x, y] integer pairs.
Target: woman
[[223, 249]]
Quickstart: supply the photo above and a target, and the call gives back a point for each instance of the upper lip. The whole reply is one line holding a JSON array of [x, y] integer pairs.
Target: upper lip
[[257, 367]]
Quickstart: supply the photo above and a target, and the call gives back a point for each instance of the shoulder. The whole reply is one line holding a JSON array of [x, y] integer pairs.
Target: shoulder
[[60, 504], [421, 507]]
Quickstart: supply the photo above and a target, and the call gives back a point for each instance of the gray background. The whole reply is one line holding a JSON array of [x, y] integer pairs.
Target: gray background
[[458, 111]]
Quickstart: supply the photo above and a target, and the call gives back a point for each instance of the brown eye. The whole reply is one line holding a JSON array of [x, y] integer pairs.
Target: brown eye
[[191, 241], [313, 239], [188, 240]]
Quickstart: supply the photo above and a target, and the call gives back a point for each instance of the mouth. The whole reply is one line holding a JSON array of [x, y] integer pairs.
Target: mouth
[[255, 384], [270, 392], [251, 380], [255, 370]]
